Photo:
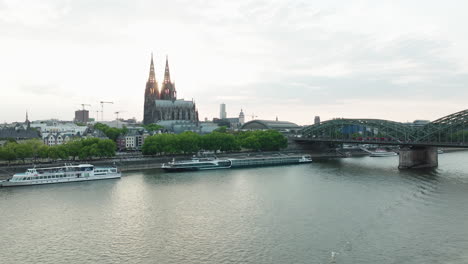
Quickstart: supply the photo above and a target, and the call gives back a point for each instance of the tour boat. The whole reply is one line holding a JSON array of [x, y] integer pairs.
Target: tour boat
[[63, 174], [212, 164], [382, 153]]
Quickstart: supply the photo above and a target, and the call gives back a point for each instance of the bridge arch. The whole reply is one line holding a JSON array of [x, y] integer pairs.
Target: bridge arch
[[450, 128]]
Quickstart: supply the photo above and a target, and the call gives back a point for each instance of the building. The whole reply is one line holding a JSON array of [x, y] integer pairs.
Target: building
[[55, 126], [241, 118], [222, 111], [164, 105], [271, 124], [51, 139], [20, 132], [207, 127], [179, 126], [231, 122], [133, 139], [317, 120], [81, 116]]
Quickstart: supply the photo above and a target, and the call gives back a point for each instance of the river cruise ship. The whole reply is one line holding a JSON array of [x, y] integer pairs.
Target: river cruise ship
[[197, 164], [67, 173], [211, 164]]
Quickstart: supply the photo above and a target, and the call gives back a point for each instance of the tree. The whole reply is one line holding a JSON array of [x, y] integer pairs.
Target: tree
[[73, 148], [151, 146], [56, 152], [23, 151], [35, 146], [43, 151], [106, 148], [221, 129], [188, 142], [263, 140], [250, 142], [161, 143], [8, 153], [219, 141], [153, 127], [111, 132]]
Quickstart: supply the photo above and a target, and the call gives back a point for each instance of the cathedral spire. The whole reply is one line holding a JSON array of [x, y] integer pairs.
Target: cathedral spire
[[151, 93], [152, 75], [167, 75]]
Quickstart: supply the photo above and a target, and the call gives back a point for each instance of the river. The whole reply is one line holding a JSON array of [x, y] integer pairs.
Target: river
[[364, 210]]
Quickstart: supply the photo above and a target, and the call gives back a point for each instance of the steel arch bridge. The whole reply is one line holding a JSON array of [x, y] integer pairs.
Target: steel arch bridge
[[448, 131]]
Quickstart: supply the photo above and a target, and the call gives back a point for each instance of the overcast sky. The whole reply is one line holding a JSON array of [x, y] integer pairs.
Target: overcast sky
[[397, 60]]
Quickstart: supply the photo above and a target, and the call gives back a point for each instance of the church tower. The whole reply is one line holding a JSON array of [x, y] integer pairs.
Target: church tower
[[168, 91], [151, 94], [27, 122]]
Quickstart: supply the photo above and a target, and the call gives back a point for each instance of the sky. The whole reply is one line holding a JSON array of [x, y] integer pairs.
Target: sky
[[395, 60]]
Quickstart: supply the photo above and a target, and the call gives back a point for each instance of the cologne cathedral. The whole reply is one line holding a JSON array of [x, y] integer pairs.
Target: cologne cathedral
[[163, 104]]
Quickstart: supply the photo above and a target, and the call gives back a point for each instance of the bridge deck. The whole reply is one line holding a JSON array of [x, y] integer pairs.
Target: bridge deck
[[379, 142]]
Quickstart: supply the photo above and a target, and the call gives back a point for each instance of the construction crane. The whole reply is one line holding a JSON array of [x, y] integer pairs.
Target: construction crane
[[83, 105], [83, 112], [102, 108]]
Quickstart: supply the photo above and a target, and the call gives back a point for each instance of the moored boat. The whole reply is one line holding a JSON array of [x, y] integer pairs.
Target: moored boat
[[197, 164], [382, 153], [63, 174], [211, 164]]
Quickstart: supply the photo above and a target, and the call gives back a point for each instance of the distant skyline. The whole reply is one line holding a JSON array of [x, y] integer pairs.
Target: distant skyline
[[396, 60]]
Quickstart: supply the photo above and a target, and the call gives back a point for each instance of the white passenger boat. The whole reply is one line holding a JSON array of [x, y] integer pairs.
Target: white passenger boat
[[382, 153], [67, 173]]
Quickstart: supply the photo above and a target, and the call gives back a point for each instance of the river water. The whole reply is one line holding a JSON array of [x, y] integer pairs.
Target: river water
[[363, 209]]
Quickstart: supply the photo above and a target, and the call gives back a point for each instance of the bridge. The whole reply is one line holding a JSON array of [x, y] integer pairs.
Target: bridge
[[418, 143]]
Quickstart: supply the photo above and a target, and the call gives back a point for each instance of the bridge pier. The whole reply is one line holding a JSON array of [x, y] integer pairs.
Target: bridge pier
[[418, 157]]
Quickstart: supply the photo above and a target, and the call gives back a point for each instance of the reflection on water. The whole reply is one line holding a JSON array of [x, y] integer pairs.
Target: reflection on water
[[364, 210]]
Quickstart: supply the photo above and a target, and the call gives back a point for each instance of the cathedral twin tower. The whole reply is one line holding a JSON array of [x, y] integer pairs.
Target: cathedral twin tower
[[163, 105]]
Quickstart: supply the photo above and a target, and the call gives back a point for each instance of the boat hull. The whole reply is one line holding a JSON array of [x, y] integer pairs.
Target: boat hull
[[61, 180], [384, 154], [193, 169]]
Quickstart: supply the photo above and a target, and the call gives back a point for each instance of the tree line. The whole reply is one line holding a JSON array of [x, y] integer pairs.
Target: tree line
[[190, 142], [83, 149], [185, 143], [111, 132]]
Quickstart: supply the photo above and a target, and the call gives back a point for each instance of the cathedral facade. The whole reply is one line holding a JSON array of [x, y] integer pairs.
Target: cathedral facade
[[163, 104]]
